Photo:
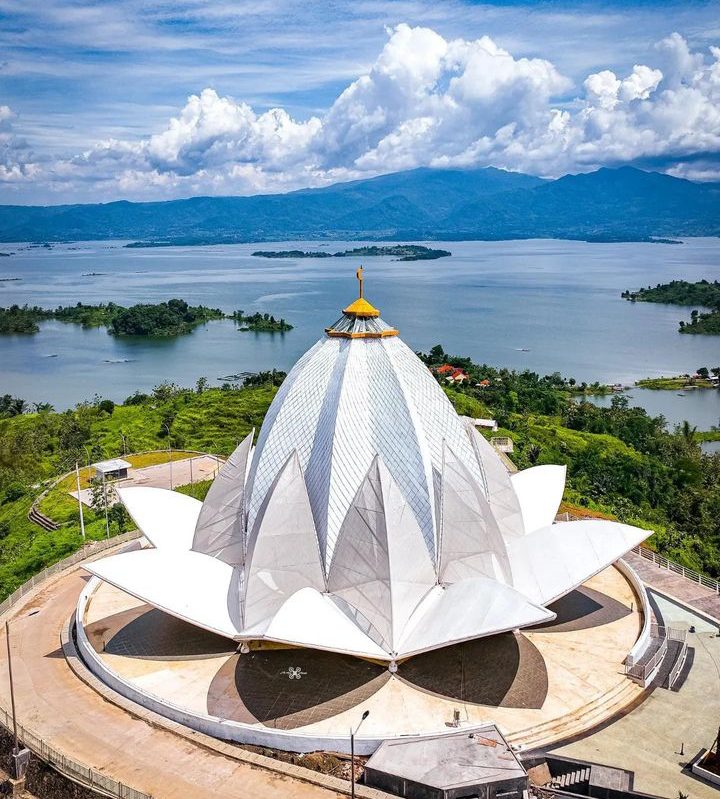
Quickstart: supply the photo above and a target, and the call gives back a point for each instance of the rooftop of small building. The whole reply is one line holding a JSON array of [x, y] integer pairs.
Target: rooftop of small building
[[113, 465], [452, 760]]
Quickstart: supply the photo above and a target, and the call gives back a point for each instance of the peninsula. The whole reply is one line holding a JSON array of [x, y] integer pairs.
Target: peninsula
[[402, 252], [681, 292]]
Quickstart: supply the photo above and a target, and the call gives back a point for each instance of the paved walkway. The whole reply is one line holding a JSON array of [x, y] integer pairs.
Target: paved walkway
[[660, 737], [668, 582], [179, 473], [59, 707]]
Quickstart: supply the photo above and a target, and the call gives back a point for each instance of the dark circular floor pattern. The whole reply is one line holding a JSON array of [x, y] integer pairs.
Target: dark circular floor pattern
[[148, 633], [502, 671], [288, 688], [581, 609]]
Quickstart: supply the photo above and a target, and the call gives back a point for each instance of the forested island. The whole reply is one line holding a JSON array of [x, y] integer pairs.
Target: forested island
[[403, 252], [622, 463], [260, 323], [172, 318], [682, 292]]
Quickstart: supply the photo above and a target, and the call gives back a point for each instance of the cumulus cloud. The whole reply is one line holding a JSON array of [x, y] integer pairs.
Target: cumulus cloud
[[17, 162], [426, 101]]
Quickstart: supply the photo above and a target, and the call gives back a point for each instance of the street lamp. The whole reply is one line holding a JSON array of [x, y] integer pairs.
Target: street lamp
[[167, 428], [80, 504], [105, 503], [124, 443], [353, 733]]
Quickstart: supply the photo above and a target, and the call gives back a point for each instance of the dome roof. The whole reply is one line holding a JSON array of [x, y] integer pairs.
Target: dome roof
[[346, 401], [369, 519]]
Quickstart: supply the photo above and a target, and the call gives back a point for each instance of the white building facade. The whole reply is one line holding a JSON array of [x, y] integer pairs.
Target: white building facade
[[368, 519]]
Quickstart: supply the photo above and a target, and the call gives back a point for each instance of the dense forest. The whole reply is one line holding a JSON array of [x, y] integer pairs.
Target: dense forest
[[681, 292], [172, 318], [621, 462]]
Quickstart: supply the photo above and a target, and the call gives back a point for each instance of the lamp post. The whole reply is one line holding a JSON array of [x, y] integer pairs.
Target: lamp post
[[167, 428], [124, 441], [353, 733], [16, 748], [105, 503], [80, 505]]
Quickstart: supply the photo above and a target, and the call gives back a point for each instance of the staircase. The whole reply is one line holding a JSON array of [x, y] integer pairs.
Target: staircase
[[576, 781], [43, 521], [594, 713]]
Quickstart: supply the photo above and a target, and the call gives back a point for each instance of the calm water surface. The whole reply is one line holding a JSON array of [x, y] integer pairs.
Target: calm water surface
[[490, 300]]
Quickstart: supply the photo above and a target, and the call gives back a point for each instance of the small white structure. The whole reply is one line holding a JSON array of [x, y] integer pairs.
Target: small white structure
[[489, 424], [369, 519], [115, 469], [502, 443]]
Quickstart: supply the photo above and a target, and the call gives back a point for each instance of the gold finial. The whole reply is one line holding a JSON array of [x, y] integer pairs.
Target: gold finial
[[361, 307]]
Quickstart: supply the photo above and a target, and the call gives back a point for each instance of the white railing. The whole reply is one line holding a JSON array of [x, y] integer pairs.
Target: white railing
[[643, 671], [643, 641], [66, 765], [670, 565], [679, 663]]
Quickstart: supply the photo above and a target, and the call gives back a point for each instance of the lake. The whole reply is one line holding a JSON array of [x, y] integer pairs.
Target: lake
[[559, 300]]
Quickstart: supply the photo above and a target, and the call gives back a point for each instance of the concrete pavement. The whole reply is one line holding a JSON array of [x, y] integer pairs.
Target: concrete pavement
[[62, 709]]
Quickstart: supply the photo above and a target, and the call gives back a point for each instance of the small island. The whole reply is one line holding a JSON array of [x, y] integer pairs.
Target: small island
[[681, 292], [172, 318], [260, 323], [403, 252]]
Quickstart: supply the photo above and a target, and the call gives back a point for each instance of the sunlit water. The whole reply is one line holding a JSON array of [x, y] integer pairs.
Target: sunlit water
[[491, 300]]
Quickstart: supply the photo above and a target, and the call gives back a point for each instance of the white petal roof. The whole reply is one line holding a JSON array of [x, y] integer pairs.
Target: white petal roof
[[283, 554], [539, 491], [220, 528], [166, 518], [201, 590], [344, 402], [370, 518]]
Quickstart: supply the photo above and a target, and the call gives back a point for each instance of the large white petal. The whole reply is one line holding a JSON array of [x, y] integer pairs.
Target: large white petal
[[196, 588], [309, 618], [539, 491], [554, 560], [166, 518], [466, 610]]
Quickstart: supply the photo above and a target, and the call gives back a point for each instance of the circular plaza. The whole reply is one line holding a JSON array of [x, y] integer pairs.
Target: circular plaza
[[539, 685]]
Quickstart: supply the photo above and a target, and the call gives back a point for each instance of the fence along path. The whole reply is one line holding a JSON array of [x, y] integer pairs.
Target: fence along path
[[69, 766]]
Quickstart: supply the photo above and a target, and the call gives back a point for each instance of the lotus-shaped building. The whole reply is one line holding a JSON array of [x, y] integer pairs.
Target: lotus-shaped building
[[368, 519]]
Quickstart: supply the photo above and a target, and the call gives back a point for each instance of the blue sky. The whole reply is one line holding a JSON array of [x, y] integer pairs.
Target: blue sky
[[89, 92]]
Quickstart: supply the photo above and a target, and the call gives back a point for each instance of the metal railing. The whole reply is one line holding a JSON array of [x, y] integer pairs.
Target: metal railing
[[670, 565], [642, 671], [72, 769], [677, 668]]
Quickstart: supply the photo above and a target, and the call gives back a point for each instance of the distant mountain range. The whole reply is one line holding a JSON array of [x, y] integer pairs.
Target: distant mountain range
[[623, 204]]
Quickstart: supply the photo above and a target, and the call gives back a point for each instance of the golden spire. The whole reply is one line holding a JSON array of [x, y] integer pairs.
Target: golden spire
[[355, 322], [361, 307]]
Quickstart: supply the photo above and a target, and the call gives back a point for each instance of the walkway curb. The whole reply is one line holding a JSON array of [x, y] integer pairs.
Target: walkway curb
[[691, 608], [207, 742]]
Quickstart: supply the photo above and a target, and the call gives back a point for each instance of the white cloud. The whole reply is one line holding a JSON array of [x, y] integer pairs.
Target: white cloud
[[426, 100]]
